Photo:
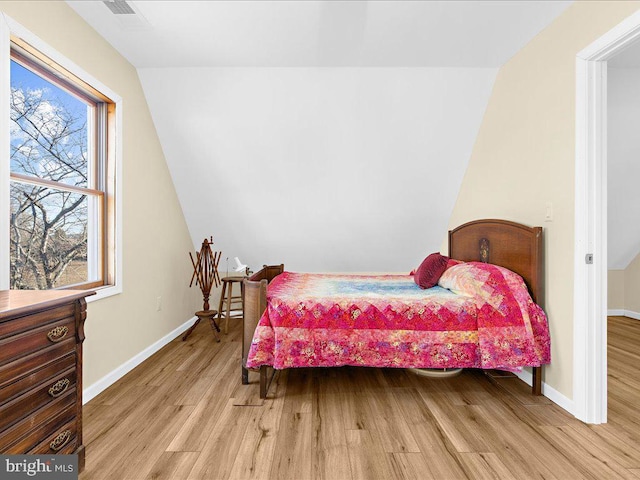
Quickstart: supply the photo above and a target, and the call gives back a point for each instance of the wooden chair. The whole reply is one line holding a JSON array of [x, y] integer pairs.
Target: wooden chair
[[229, 301]]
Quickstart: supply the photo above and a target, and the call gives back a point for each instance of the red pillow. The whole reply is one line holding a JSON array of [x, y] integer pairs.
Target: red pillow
[[451, 262], [430, 270]]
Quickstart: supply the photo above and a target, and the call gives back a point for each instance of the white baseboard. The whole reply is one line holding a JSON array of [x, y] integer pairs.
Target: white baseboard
[[549, 392], [623, 313], [110, 378]]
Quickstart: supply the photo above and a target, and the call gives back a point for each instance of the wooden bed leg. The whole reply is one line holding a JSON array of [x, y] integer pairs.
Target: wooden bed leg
[[536, 384], [266, 380], [263, 381], [245, 376]]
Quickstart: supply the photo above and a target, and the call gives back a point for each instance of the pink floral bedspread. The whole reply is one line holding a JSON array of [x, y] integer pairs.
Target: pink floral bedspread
[[317, 320]]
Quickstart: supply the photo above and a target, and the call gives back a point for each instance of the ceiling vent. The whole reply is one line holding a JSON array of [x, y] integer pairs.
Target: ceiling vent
[[119, 7], [127, 15]]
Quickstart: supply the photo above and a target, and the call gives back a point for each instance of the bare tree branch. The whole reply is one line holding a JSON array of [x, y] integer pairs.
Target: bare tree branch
[[48, 227]]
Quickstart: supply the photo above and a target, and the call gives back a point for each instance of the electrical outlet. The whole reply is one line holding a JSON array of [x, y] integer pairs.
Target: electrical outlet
[[158, 304]]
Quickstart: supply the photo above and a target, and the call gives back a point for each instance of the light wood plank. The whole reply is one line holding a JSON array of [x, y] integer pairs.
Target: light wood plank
[[514, 439], [329, 439], [173, 466], [221, 448], [148, 444], [454, 421], [198, 427], [441, 456], [255, 455], [391, 426], [116, 431], [410, 466], [248, 395], [366, 457], [299, 391], [486, 466], [356, 411], [602, 440], [596, 467], [292, 454]]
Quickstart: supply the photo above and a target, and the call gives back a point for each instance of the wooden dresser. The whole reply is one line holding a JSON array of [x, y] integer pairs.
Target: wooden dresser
[[41, 335]]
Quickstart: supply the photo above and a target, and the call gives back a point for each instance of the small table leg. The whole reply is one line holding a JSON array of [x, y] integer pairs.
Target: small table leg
[[214, 328], [204, 314], [186, 335]]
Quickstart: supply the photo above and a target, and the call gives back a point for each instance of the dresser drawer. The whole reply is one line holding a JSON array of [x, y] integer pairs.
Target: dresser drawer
[[28, 322], [37, 397], [62, 440], [48, 371], [34, 340], [32, 363], [29, 432]]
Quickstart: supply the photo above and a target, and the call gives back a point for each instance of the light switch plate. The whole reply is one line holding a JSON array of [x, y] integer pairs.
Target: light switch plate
[[548, 215]]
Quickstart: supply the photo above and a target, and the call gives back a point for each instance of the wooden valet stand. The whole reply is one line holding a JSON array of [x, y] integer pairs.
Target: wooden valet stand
[[205, 274]]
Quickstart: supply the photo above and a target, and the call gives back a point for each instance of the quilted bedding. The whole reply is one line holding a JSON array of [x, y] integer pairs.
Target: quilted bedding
[[479, 316]]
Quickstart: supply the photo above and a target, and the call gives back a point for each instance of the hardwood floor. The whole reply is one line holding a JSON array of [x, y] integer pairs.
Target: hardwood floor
[[183, 414]]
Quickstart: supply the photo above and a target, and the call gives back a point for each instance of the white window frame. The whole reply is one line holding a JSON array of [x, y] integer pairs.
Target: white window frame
[[9, 28]]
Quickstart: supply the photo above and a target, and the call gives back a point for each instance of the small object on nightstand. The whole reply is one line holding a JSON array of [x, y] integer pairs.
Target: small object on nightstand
[[240, 267]]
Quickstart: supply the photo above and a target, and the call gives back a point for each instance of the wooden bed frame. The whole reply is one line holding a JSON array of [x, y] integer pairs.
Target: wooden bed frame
[[508, 244]]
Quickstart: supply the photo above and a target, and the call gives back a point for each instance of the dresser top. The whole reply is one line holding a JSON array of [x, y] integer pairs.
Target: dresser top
[[15, 302]]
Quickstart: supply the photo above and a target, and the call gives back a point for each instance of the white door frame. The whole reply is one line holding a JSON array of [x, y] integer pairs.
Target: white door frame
[[590, 280]]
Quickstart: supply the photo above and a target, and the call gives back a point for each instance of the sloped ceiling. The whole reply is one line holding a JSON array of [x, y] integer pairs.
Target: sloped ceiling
[[285, 148]]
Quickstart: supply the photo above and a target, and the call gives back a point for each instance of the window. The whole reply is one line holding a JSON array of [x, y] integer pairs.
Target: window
[[61, 180]]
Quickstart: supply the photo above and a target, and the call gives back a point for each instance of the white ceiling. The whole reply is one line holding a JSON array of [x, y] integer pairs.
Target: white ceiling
[[330, 33]]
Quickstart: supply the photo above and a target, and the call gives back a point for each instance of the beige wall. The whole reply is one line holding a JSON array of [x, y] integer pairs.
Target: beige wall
[[156, 240], [624, 288], [632, 286], [615, 290], [524, 156]]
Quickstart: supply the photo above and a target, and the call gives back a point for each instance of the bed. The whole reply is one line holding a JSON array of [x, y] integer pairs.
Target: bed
[[300, 320]]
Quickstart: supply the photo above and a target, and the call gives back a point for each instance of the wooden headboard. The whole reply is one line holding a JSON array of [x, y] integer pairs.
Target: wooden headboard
[[507, 244]]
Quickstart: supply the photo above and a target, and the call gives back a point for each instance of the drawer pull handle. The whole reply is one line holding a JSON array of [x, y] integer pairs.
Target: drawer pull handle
[[59, 387], [57, 334], [60, 441]]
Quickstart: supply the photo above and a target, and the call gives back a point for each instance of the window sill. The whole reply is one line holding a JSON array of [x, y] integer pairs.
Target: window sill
[[104, 292]]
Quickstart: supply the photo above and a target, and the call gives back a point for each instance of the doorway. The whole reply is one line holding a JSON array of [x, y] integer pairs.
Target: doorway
[[590, 258]]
